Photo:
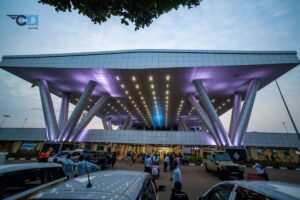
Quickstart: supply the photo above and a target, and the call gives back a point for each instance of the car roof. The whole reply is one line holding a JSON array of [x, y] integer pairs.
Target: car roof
[[17, 167], [119, 184], [277, 190]]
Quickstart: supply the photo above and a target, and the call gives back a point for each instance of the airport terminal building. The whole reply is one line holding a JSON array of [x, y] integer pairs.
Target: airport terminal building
[[154, 98]]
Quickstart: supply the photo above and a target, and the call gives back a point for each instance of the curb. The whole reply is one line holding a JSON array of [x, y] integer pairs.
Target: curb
[[21, 158]]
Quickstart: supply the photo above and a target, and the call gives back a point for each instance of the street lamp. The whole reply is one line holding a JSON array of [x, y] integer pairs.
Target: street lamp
[[5, 117], [24, 122], [285, 127]]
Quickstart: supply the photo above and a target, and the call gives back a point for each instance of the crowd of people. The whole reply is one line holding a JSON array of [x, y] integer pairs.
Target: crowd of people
[[171, 161]]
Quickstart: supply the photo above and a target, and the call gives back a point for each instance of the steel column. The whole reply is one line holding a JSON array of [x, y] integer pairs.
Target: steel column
[[234, 115], [130, 123], [89, 116], [48, 110], [127, 120], [245, 113], [104, 122], [205, 119], [64, 110], [109, 124], [211, 112], [184, 127], [80, 106]]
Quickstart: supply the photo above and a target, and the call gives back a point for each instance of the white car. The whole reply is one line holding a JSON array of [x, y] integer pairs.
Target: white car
[[116, 185], [20, 181], [256, 190]]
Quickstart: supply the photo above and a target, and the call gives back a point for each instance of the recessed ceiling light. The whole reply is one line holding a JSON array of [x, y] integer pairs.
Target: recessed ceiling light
[[122, 86], [126, 91], [150, 78], [137, 86], [117, 77], [152, 86], [168, 77], [133, 78], [228, 100]]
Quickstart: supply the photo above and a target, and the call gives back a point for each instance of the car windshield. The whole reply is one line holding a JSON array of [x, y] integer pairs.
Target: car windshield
[[222, 157]]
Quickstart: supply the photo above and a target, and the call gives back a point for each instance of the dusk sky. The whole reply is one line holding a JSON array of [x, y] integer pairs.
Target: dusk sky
[[214, 25]]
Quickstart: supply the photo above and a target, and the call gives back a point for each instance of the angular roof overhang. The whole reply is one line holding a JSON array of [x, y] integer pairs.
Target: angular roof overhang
[[143, 82]]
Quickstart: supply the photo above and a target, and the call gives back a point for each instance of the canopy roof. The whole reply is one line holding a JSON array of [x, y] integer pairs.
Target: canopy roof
[[151, 85]]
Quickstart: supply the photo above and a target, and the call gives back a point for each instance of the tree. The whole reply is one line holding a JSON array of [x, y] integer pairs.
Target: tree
[[139, 12]]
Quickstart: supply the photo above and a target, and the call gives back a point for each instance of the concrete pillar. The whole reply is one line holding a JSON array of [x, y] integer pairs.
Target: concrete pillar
[[48, 110], [245, 113], [75, 116], [205, 119], [211, 112], [64, 110], [86, 119], [234, 115]]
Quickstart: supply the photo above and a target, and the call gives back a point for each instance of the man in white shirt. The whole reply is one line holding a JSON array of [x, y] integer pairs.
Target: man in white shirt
[[176, 173]]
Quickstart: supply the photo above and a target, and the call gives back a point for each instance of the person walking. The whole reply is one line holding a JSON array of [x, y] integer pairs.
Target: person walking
[[176, 173], [68, 166], [148, 164], [177, 194], [260, 170], [166, 163]]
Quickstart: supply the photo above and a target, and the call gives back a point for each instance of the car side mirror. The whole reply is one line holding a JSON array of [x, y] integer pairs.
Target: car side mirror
[[161, 188]]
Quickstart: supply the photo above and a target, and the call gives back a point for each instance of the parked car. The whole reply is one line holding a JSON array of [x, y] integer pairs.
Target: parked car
[[221, 164], [261, 190], [106, 185], [20, 181]]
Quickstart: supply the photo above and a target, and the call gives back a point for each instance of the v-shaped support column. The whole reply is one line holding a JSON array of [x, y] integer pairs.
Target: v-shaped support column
[[48, 110], [64, 111], [183, 125], [205, 119], [75, 116], [89, 116], [127, 121], [211, 112], [105, 125], [234, 115], [244, 116]]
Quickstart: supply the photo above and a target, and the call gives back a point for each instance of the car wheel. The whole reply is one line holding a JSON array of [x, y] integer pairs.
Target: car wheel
[[220, 175]]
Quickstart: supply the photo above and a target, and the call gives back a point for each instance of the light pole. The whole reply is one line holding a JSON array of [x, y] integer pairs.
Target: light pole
[[24, 122], [285, 127], [5, 117]]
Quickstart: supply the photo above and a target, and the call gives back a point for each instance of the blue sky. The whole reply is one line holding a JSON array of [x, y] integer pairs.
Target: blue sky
[[214, 25]]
